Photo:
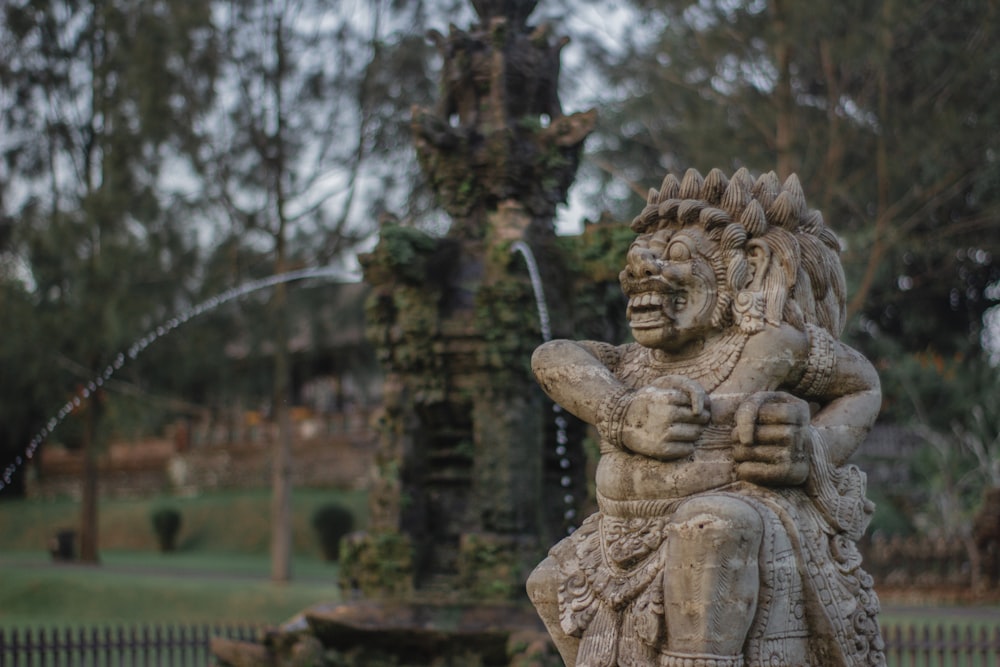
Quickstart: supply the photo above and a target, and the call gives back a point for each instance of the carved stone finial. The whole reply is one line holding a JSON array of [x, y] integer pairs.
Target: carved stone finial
[[515, 11], [499, 131]]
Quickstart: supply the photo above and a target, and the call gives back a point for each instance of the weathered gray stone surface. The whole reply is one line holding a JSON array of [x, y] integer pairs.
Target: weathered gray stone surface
[[728, 517]]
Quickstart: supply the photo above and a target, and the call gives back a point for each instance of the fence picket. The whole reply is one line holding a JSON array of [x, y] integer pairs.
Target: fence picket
[[42, 642], [171, 646], [118, 645]]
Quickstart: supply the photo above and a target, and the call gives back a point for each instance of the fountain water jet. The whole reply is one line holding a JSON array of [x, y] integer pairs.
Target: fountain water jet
[[151, 336], [562, 437], [536, 285]]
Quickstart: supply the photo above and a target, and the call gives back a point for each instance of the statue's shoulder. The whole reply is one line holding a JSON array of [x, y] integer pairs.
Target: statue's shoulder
[[783, 339], [782, 349], [612, 356]]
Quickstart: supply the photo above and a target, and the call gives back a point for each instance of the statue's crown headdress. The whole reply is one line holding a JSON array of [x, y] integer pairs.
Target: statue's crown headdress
[[739, 210]]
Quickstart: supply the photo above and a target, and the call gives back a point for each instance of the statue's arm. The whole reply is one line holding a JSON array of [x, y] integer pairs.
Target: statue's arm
[[850, 403], [661, 421], [574, 377], [775, 433]]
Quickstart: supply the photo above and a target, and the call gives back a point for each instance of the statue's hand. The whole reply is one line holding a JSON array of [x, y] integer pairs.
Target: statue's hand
[[772, 434], [665, 419]]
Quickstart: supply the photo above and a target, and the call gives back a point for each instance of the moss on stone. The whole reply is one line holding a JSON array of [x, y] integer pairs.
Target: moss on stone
[[377, 565], [493, 567]]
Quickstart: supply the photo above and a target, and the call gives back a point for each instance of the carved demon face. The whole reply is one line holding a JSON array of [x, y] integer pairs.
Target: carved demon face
[[672, 289]]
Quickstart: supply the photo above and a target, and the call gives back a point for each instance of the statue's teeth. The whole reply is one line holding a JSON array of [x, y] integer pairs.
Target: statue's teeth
[[649, 299]]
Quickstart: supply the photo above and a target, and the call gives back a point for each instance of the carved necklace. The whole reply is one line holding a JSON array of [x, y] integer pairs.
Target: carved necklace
[[709, 368]]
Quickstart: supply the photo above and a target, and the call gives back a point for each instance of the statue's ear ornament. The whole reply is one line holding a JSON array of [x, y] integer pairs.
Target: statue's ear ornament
[[749, 304], [748, 311]]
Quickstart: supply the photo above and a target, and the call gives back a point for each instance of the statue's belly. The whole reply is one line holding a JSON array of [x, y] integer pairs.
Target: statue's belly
[[623, 475]]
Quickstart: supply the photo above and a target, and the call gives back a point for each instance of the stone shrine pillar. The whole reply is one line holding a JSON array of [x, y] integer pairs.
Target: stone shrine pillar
[[469, 489]]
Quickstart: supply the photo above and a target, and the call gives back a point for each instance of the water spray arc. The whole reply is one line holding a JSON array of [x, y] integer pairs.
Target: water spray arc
[[536, 285], [150, 337], [562, 438]]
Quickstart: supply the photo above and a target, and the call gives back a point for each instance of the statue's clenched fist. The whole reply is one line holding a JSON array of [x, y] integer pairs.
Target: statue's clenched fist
[[664, 419], [772, 439]]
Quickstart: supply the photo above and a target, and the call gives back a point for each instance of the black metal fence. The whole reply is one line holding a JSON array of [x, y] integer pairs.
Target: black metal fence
[[184, 645], [942, 646], [139, 646]]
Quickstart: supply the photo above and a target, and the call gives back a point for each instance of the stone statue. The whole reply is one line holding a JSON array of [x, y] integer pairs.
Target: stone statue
[[728, 516]]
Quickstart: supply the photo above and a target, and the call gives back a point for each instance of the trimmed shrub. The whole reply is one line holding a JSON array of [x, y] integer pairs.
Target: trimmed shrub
[[166, 525], [62, 546], [332, 523]]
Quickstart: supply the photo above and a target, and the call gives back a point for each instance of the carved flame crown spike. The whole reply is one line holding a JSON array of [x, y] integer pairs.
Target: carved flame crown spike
[[744, 177], [714, 187], [691, 184], [789, 206], [736, 197], [753, 218], [766, 189], [812, 222], [670, 188], [793, 186], [784, 212]]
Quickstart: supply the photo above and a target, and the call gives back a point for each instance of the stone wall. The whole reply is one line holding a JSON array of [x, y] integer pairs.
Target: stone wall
[[333, 453]]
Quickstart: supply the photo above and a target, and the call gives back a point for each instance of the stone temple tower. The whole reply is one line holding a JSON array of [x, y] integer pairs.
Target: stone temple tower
[[471, 483]]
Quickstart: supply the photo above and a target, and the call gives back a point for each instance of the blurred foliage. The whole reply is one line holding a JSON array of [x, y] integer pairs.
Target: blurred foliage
[[883, 109]]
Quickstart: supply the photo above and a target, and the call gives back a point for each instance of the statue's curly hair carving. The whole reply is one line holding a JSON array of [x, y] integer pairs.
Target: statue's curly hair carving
[[805, 283]]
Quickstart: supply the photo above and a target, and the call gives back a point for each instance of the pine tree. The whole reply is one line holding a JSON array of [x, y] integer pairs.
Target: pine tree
[[883, 109], [98, 98]]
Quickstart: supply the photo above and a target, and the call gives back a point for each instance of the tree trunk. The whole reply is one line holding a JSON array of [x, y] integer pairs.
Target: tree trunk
[[281, 487], [91, 472], [784, 101], [977, 581], [882, 217]]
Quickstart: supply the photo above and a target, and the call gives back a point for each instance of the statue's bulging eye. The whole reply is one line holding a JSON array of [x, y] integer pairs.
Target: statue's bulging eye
[[678, 252]]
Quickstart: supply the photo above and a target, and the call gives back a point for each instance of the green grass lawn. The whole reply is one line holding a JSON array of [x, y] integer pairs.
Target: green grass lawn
[[151, 588], [220, 571], [217, 522]]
